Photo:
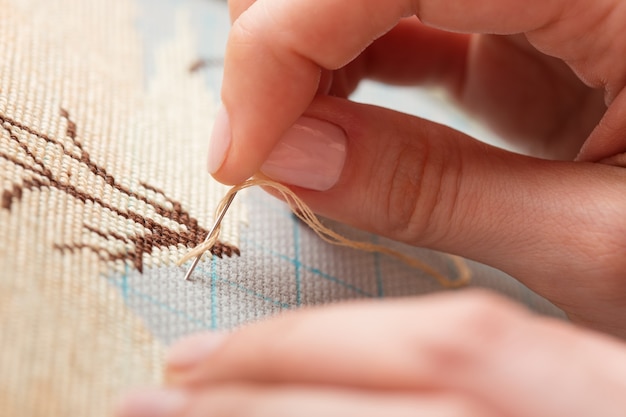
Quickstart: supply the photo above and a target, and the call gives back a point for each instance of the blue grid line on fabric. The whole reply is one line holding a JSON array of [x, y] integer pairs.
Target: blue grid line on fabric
[[261, 296], [296, 259], [313, 270], [299, 266], [127, 290], [241, 287], [380, 289], [213, 294], [338, 281], [119, 284], [210, 271], [124, 284]]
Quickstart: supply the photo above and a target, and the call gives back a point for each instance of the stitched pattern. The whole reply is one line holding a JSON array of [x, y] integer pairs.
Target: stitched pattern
[[100, 172], [106, 109], [183, 229]]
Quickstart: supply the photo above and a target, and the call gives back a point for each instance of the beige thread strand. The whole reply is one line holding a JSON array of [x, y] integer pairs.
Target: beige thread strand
[[305, 214]]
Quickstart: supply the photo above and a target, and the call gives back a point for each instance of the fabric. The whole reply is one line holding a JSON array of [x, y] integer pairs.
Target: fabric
[[101, 170], [105, 111]]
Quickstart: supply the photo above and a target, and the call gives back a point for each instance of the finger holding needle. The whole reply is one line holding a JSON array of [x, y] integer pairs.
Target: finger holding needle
[[214, 230]]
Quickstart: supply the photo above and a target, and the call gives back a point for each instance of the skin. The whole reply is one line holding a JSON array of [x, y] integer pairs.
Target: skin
[[547, 75], [551, 81], [461, 354]]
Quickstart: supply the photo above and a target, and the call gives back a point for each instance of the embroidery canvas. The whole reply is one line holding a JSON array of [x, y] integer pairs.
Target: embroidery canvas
[[105, 112], [100, 171]]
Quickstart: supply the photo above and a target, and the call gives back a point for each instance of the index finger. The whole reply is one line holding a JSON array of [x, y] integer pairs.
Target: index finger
[[277, 49]]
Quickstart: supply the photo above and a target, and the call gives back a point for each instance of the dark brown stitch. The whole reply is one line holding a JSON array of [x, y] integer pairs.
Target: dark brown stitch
[[156, 190], [200, 63], [80, 246], [85, 158], [17, 192], [25, 148], [152, 188], [156, 236], [25, 128], [96, 231], [70, 130], [9, 196], [108, 234], [21, 164], [197, 65], [7, 199]]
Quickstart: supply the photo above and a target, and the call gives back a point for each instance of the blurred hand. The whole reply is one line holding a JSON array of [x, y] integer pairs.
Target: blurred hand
[[453, 355]]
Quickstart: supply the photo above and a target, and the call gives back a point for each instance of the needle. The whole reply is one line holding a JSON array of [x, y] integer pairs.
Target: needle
[[214, 229]]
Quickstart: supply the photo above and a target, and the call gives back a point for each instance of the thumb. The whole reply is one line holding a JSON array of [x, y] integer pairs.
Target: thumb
[[428, 185]]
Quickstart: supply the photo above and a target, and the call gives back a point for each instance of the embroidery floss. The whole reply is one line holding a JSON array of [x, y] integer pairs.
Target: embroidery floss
[[304, 213]]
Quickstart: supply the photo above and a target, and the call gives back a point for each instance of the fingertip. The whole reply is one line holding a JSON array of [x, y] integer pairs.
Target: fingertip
[[265, 89], [220, 140], [227, 162], [234, 170], [311, 154]]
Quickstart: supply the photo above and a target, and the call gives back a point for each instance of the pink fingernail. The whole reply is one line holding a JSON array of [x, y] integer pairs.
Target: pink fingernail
[[220, 140], [311, 155], [194, 349], [152, 403]]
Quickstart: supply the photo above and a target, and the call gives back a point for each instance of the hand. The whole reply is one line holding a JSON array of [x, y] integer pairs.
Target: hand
[[459, 354], [551, 79]]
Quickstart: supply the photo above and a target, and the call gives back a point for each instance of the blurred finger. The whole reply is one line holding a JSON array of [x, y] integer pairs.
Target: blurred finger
[[246, 400], [473, 344]]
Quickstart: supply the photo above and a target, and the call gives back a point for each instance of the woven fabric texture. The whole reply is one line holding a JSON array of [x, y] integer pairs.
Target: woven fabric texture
[[105, 111], [101, 170]]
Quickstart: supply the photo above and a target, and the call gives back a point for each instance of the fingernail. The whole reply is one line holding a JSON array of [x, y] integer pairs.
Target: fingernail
[[220, 140], [194, 349], [152, 403], [311, 155]]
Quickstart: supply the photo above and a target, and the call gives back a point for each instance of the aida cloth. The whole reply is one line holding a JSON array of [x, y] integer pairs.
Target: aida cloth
[[105, 111], [101, 171]]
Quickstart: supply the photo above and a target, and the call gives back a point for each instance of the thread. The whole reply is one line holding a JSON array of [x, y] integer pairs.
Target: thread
[[304, 213]]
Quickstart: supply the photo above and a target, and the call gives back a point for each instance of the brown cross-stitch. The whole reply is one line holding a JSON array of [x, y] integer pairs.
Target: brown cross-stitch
[[156, 236]]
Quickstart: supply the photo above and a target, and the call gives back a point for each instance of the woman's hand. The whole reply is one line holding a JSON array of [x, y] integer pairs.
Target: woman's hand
[[464, 354], [543, 80], [550, 76]]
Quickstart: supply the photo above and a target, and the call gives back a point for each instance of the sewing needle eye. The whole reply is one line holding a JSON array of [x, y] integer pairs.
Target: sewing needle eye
[[212, 232]]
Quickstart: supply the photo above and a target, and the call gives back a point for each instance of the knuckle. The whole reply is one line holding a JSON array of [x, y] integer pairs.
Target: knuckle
[[405, 190], [422, 186], [481, 325], [484, 316]]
